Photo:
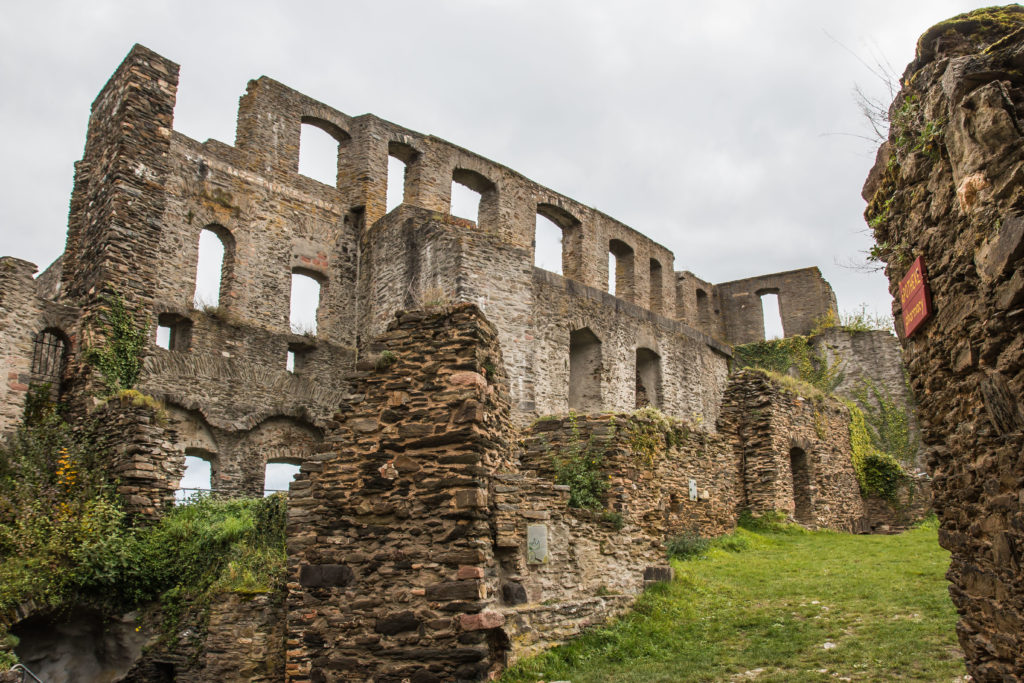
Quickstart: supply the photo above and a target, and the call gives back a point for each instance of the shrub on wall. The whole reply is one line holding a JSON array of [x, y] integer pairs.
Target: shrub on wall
[[578, 466]]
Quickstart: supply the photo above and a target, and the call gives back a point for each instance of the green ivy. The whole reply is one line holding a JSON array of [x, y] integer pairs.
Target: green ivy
[[878, 473], [791, 353], [119, 359], [886, 421]]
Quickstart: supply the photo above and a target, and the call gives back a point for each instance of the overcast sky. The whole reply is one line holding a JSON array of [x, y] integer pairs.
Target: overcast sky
[[728, 132]]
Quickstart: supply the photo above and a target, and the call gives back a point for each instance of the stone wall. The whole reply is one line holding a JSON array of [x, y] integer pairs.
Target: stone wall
[[871, 361], [794, 453], [804, 297], [414, 257], [947, 187], [144, 456], [24, 318], [391, 559], [234, 638]]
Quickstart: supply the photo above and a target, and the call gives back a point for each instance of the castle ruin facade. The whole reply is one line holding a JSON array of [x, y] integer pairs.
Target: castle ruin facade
[[427, 537]]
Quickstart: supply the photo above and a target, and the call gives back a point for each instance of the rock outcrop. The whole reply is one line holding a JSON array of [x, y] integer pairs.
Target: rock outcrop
[[947, 187]]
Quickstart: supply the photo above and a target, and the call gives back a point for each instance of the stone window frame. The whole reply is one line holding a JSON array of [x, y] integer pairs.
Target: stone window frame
[[572, 238], [625, 269], [339, 134], [179, 331], [227, 263]]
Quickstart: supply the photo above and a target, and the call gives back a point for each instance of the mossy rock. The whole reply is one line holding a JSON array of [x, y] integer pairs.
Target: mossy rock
[[969, 32]]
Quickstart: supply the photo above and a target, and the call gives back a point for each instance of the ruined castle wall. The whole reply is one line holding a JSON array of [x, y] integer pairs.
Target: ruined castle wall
[[697, 304], [594, 562], [874, 355], [391, 563], [24, 315], [693, 366], [870, 361], [804, 296], [413, 257], [117, 203], [947, 187], [795, 453], [143, 455]]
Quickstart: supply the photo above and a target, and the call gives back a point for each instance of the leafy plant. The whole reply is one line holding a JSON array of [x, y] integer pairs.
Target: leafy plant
[[119, 358], [887, 422], [878, 473], [65, 539], [687, 546], [578, 466]]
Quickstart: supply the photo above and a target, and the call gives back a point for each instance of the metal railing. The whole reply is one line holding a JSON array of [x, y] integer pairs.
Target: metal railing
[[187, 495], [25, 672]]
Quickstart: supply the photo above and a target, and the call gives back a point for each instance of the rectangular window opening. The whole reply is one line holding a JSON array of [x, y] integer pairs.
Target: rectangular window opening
[[772, 316]]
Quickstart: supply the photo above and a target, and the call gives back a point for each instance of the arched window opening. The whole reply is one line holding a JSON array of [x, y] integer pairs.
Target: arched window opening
[[656, 299], [469, 192], [198, 477], [465, 202], [648, 378], [401, 158], [802, 509], [547, 245], [620, 269], [49, 358], [396, 183], [173, 332], [772, 315], [570, 233], [320, 147], [212, 267], [278, 475], [305, 303], [585, 371]]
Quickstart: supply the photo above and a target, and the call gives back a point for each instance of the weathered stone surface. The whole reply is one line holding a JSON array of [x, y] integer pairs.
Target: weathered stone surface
[[794, 453], [961, 105]]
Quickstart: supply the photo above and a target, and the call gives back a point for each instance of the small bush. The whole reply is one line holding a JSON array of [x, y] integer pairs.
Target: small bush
[[578, 466], [687, 546], [613, 519], [732, 543], [773, 522], [385, 360]]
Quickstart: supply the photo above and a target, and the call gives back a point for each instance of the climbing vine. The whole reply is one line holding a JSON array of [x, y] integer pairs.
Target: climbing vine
[[119, 358], [886, 421]]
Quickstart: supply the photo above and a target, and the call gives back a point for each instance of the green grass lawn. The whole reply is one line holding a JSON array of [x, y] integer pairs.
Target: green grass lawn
[[767, 612]]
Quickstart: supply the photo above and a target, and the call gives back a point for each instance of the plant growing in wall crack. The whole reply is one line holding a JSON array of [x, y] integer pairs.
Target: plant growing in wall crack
[[119, 358], [578, 466]]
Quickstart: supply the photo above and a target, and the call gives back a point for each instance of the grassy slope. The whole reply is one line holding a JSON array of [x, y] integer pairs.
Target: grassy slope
[[881, 600]]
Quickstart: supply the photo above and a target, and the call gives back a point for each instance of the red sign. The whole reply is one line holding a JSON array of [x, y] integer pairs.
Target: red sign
[[915, 298]]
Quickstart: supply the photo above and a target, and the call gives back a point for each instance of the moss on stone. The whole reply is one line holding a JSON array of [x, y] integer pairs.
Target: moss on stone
[[978, 29]]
